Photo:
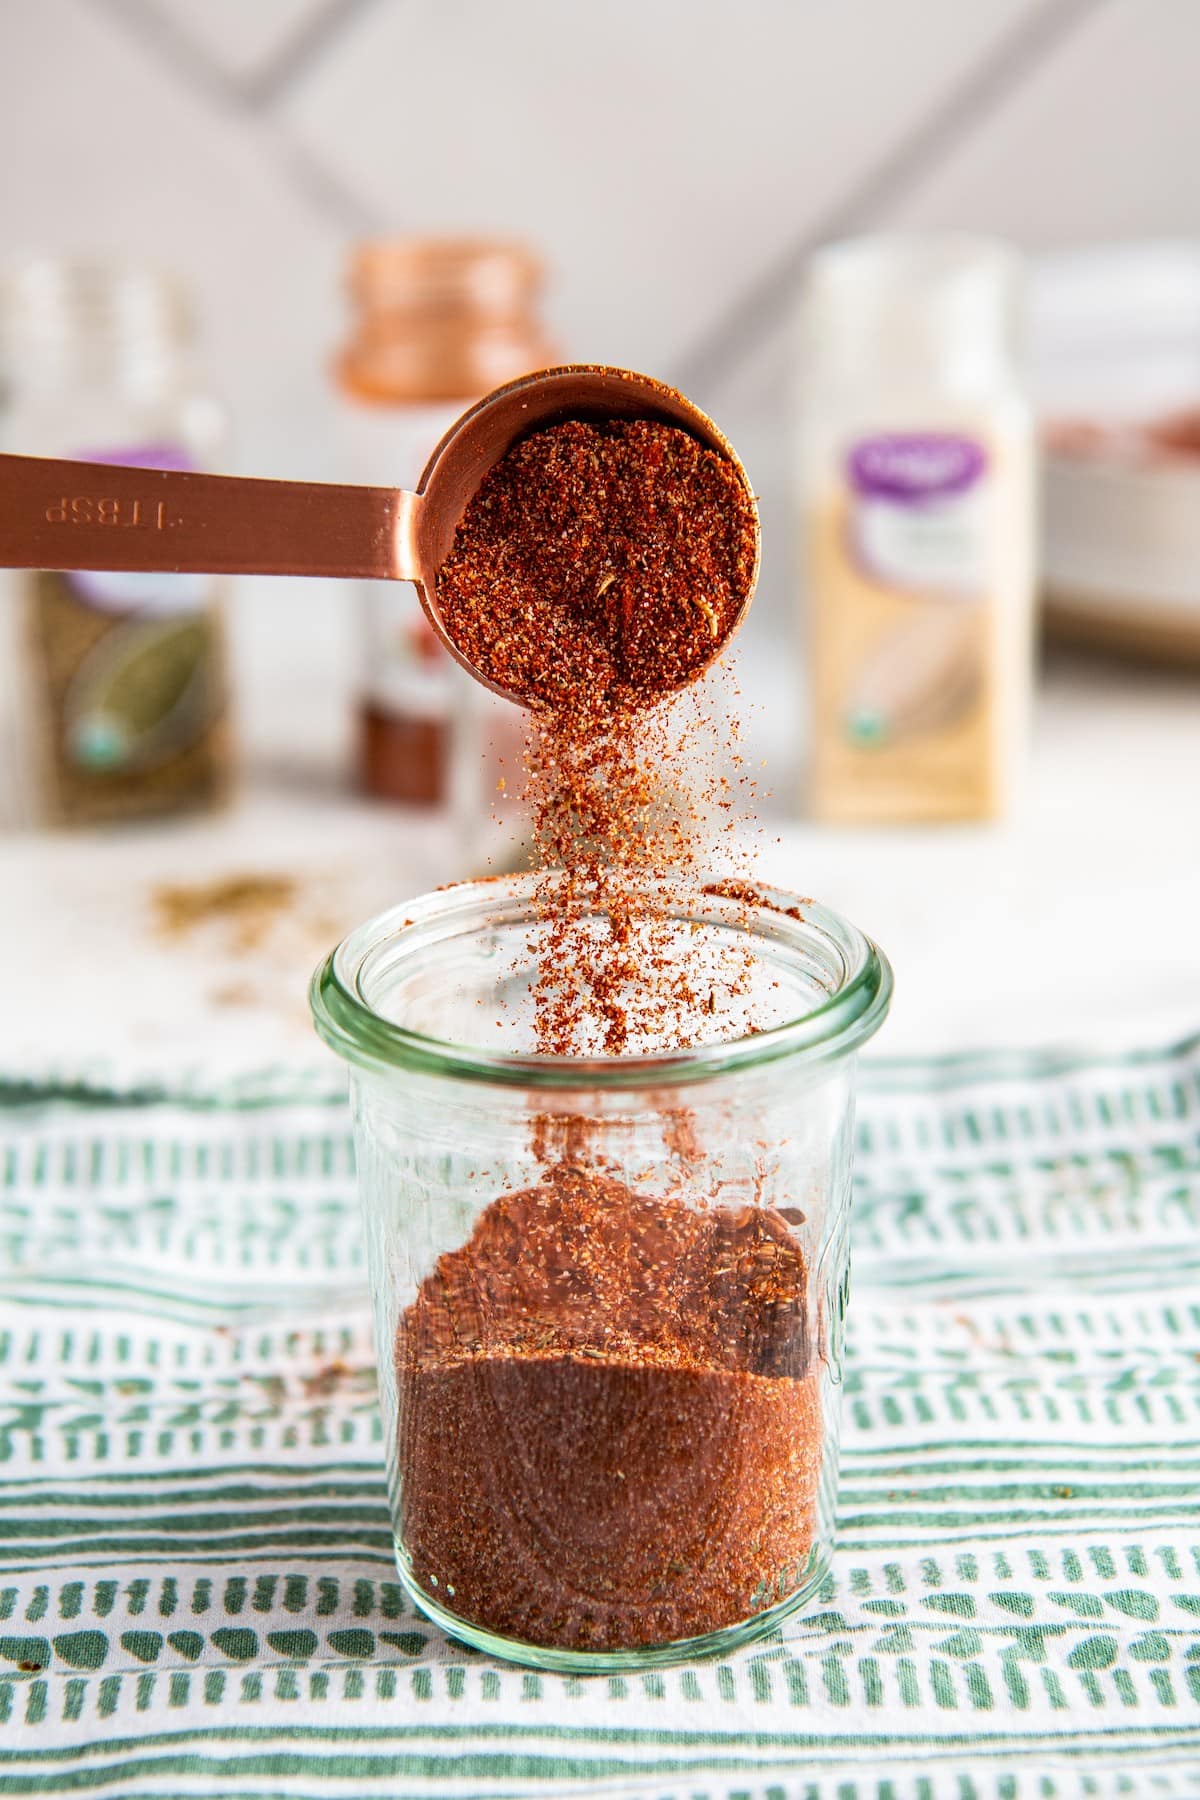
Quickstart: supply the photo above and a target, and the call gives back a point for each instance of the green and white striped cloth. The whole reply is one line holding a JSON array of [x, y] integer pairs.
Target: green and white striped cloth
[[196, 1591]]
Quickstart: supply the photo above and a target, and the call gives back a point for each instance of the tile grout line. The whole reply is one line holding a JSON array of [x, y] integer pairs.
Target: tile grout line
[[770, 296], [982, 91], [334, 20], [188, 63], [322, 189], [158, 35]]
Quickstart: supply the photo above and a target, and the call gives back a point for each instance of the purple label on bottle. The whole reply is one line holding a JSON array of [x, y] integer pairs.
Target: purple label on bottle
[[910, 468], [155, 454]]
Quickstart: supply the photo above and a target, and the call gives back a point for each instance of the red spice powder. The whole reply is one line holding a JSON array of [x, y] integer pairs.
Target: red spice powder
[[610, 1428], [609, 1419], [599, 568], [751, 897], [600, 564]]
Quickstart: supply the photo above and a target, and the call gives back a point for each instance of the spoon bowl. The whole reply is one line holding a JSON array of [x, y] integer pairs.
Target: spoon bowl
[[57, 514]]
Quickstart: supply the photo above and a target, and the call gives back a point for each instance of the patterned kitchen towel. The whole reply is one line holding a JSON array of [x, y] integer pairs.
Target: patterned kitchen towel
[[196, 1591]]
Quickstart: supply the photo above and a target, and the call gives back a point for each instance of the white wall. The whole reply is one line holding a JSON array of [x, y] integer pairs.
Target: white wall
[[675, 159]]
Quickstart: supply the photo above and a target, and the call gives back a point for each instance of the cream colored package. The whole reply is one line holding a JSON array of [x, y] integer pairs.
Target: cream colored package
[[917, 554], [917, 509]]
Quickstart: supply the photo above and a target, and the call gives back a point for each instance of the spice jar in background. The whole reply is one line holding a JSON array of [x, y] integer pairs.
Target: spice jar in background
[[120, 680], [438, 323], [609, 1291], [917, 502]]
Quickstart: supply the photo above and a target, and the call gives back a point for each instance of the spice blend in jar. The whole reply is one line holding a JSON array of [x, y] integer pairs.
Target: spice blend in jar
[[610, 1429], [610, 1291], [607, 1221], [610, 1424]]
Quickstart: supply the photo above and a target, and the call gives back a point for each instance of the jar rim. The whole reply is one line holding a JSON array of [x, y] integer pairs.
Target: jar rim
[[837, 1026]]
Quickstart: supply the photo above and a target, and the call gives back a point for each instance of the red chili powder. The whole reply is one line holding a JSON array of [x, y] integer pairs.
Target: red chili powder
[[609, 1417], [597, 570], [600, 565]]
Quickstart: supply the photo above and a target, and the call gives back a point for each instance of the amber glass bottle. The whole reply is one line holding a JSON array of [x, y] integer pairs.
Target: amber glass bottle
[[437, 323]]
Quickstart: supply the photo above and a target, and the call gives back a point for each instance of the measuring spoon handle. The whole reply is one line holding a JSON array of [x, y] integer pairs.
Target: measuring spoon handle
[[56, 514]]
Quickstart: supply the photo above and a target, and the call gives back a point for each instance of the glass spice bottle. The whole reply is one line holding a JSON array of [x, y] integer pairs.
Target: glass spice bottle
[[438, 323], [917, 497], [121, 692]]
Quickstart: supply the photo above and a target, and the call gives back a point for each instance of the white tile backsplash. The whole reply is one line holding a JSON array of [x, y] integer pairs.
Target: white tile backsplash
[[662, 154], [665, 155], [117, 155], [1102, 140], [244, 38]]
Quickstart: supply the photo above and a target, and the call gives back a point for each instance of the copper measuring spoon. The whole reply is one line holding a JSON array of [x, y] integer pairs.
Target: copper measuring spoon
[[56, 514]]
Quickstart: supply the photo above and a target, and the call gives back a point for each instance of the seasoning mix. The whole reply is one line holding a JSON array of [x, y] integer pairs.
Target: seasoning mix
[[614, 1312], [609, 1422], [598, 569], [599, 565]]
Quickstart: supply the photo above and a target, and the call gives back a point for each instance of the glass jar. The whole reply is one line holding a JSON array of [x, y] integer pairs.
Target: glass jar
[[917, 505], [119, 696], [438, 323], [609, 1291]]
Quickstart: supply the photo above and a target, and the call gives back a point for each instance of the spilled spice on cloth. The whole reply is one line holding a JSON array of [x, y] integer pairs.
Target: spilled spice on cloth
[[609, 1417]]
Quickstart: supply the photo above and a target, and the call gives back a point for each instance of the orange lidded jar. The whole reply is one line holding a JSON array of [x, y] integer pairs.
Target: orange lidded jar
[[438, 322]]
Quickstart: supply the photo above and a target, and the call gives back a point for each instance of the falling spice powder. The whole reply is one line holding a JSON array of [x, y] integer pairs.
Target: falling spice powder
[[598, 570]]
